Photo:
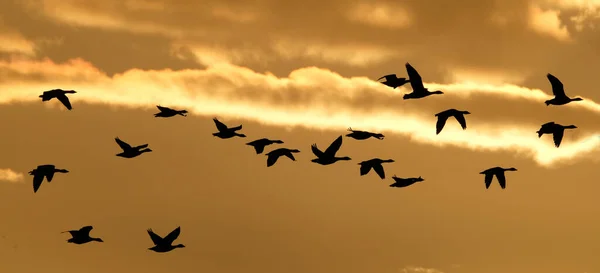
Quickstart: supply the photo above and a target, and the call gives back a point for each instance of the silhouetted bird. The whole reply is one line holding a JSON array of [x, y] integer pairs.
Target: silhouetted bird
[[556, 130], [560, 98], [393, 81], [164, 244], [259, 144], [275, 154], [328, 157], [82, 236], [374, 164], [418, 90], [405, 182], [499, 173], [361, 135], [44, 171], [226, 132], [166, 112], [443, 116], [130, 152], [58, 94]]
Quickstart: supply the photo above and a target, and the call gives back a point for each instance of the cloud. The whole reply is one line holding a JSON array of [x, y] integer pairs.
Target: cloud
[[9, 175], [13, 42], [380, 15], [309, 97], [547, 22], [416, 269]]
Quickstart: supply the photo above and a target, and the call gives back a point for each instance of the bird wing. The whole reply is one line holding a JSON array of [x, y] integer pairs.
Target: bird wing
[[441, 122], [220, 126], [236, 128], [155, 238], [365, 168], [141, 146], [85, 230], [272, 159], [558, 136], [316, 150], [123, 144], [173, 235], [290, 156], [163, 109], [488, 179], [65, 100], [334, 147], [378, 168], [38, 178], [387, 77], [557, 86], [415, 79], [461, 120], [259, 148], [501, 179], [49, 176]]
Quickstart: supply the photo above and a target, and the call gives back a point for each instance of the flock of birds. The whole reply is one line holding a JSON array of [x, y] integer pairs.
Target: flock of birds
[[327, 157]]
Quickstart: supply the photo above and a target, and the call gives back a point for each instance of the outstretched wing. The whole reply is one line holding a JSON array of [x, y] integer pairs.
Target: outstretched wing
[[173, 235], [461, 120], [155, 238], [334, 147], [378, 168], [365, 168], [557, 86], [65, 101], [85, 231], [558, 136], [123, 144], [272, 159], [415, 79], [236, 128], [441, 122], [488, 179], [220, 126], [38, 178], [316, 150], [501, 179], [389, 77], [163, 109]]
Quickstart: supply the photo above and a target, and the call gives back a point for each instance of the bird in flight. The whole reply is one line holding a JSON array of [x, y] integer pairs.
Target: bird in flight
[[59, 94]]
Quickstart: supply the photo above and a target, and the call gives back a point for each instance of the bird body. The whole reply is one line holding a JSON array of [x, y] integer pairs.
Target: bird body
[[328, 157], [418, 89], [443, 116], [60, 95], [226, 132], [405, 182], [166, 112], [556, 130], [82, 236], [165, 244], [499, 173], [259, 144], [560, 98], [362, 135], [393, 81], [374, 164], [129, 151], [272, 156], [42, 171]]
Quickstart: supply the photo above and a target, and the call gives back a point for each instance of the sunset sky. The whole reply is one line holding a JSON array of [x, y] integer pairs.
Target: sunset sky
[[302, 72]]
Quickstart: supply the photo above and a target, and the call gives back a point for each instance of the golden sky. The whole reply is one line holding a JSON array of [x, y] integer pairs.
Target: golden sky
[[302, 72]]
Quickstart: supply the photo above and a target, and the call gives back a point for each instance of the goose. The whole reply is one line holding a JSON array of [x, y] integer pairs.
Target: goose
[[393, 81], [405, 182], [443, 116], [259, 144], [164, 244], [226, 132], [328, 157], [560, 98], [374, 164], [166, 112], [272, 156], [42, 171], [82, 236], [129, 151], [499, 173], [58, 94], [418, 90], [556, 130], [362, 135]]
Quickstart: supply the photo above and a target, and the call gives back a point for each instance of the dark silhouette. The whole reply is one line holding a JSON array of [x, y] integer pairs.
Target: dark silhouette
[[226, 132], [82, 236], [259, 144], [393, 81], [275, 154], [44, 171], [328, 157], [418, 90], [164, 244], [374, 164], [405, 182], [499, 173], [166, 112], [560, 98], [131, 152], [443, 116], [556, 130], [58, 94], [361, 135]]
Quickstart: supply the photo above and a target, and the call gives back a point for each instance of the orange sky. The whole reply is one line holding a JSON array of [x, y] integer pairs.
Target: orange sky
[[301, 72]]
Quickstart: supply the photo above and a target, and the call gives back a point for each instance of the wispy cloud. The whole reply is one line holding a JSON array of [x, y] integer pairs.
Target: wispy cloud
[[418, 269], [309, 97], [9, 175]]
